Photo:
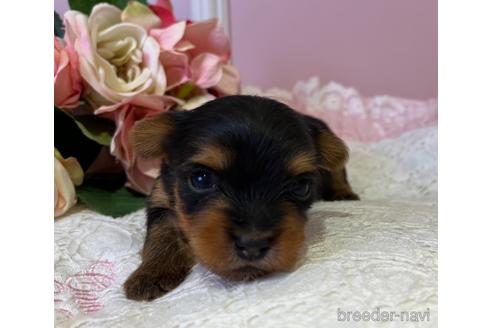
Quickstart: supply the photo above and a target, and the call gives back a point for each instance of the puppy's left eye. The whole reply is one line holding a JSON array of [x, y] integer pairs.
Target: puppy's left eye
[[202, 180], [301, 189]]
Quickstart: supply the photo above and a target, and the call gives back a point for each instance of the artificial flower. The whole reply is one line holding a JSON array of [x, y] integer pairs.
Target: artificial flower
[[164, 9], [229, 84], [68, 84], [141, 173], [118, 60], [68, 174], [197, 101], [197, 53], [139, 14]]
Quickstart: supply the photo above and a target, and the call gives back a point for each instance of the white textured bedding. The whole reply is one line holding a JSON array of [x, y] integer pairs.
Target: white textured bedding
[[380, 252]]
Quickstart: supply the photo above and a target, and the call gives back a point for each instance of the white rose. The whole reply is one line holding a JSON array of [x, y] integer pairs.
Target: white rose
[[118, 59]]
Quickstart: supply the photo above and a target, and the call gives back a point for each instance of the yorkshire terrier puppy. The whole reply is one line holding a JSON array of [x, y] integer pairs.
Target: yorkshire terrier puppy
[[238, 175]]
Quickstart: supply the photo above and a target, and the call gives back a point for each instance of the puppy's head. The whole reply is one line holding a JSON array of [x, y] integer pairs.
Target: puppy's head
[[240, 173]]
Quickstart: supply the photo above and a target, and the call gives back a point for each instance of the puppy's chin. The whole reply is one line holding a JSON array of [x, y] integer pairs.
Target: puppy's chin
[[245, 273], [236, 269]]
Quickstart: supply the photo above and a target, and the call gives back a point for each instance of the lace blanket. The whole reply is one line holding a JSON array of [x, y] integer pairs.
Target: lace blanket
[[352, 116], [379, 254]]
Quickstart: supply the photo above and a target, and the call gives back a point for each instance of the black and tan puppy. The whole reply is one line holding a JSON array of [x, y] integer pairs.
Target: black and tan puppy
[[237, 177]]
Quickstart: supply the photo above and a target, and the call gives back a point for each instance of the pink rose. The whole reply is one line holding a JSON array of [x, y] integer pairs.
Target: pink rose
[[68, 85], [118, 59], [140, 173], [164, 9], [197, 53]]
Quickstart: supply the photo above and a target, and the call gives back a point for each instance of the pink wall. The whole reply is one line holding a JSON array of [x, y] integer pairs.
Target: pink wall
[[377, 46], [61, 6]]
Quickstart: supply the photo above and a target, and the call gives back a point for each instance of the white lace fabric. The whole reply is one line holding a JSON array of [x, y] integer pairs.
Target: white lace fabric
[[380, 252], [400, 168], [360, 256]]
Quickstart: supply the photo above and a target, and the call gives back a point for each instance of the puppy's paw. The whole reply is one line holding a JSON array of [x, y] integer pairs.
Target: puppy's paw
[[345, 195], [142, 286], [350, 196]]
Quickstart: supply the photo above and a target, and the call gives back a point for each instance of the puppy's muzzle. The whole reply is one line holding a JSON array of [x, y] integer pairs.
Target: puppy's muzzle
[[250, 249]]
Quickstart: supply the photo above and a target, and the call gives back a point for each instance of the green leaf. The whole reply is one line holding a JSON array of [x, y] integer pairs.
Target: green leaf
[[96, 128], [112, 203], [59, 28], [70, 140], [85, 6]]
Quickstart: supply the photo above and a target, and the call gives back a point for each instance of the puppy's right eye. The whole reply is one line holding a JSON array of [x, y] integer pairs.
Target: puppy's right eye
[[202, 180]]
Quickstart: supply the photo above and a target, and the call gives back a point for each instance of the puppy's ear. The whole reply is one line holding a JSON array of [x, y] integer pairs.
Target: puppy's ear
[[332, 150], [150, 135]]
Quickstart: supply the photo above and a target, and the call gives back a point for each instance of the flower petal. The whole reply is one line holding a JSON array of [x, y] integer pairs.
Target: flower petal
[[117, 60], [166, 16], [168, 37], [197, 101], [152, 102], [72, 166], [184, 45], [206, 70], [230, 82], [104, 15], [65, 196], [208, 36], [151, 60], [63, 85], [106, 88], [139, 14], [58, 49], [74, 170], [67, 81], [77, 34], [164, 9], [142, 175], [121, 31], [176, 68]]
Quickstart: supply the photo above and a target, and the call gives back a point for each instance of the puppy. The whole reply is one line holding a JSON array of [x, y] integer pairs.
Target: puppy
[[237, 177]]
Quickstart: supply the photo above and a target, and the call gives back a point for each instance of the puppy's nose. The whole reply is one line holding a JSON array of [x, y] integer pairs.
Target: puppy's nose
[[251, 249]]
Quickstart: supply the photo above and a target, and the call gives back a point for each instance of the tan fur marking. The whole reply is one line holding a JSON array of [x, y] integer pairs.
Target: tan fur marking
[[209, 238], [290, 242], [302, 163], [209, 241], [333, 151], [341, 188], [148, 135], [213, 156], [158, 196]]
